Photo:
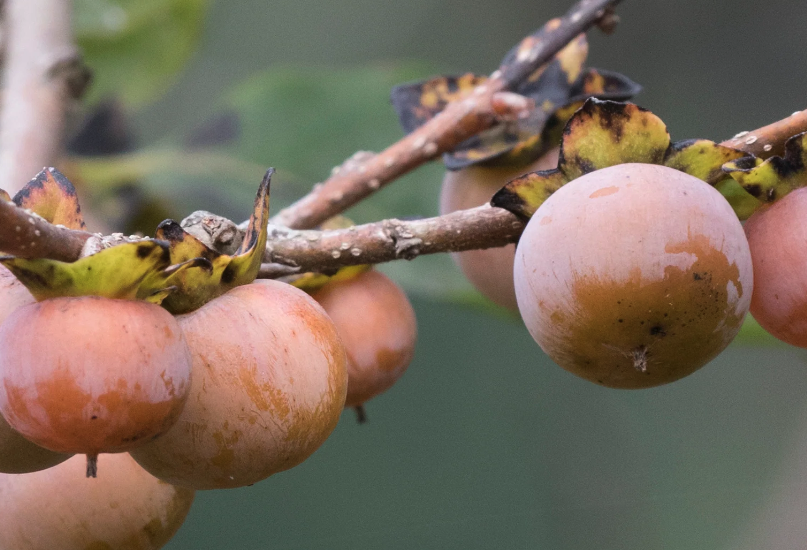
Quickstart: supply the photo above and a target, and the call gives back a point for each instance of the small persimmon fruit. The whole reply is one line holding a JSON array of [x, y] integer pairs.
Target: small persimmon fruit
[[268, 386], [634, 275], [125, 508], [489, 270], [378, 328], [777, 236], [91, 375]]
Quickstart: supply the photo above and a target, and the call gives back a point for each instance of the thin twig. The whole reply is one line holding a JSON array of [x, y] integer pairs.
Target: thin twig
[[459, 121], [373, 243], [770, 140], [44, 75]]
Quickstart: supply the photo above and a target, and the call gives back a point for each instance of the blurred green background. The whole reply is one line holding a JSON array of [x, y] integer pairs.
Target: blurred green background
[[485, 443]]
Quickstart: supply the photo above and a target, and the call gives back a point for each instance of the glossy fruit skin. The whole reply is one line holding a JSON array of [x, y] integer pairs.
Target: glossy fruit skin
[[269, 385], [125, 508], [634, 275], [489, 270], [91, 375], [378, 328], [777, 235], [17, 454]]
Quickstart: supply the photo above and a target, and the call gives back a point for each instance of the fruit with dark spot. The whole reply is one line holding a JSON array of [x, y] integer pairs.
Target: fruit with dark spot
[[125, 508], [65, 360], [634, 275], [778, 238], [489, 270], [17, 454], [269, 383], [378, 328]]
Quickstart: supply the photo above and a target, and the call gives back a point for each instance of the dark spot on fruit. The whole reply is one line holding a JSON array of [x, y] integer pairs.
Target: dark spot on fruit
[[657, 330], [94, 417], [621, 320], [697, 276], [143, 251]]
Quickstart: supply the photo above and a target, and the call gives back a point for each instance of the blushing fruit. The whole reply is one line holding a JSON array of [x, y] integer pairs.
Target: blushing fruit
[[17, 454], [269, 384], [777, 235], [125, 508], [91, 375], [378, 328], [634, 275], [489, 270]]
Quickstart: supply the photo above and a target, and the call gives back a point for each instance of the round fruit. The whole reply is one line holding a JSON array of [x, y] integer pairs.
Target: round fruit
[[91, 375], [17, 454], [777, 236], [125, 508], [378, 328], [13, 294], [269, 383], [489, 270], [634, 275]]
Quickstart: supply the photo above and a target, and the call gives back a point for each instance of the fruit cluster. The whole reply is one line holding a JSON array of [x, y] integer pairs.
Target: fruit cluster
[[224, 384]]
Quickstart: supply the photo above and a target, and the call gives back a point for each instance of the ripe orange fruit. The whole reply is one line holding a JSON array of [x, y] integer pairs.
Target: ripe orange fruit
[[634, 275], [378, 328], [17, 454], [269, 383], [91, 375], [489, 270], [777, 237]]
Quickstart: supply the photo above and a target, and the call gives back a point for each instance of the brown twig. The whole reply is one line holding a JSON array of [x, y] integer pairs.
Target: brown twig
[[384, 241], [770, 140], [28, 236], [460, 120], [44, 75]]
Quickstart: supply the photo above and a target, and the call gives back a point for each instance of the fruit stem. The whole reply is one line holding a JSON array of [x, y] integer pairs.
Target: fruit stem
[[361, 414], [92, 465]]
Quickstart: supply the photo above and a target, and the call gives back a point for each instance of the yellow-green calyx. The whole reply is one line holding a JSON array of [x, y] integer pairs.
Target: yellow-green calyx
[[606, 133]]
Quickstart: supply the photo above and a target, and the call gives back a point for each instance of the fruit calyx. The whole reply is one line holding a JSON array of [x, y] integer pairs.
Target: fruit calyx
[[607, 133]]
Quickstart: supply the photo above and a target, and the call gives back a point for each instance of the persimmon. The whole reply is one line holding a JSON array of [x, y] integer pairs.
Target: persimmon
[[489, 270], [17, 454], [777, 237], [125, 508], [634, 275], [378, 328], [268, 386], [91, 375]]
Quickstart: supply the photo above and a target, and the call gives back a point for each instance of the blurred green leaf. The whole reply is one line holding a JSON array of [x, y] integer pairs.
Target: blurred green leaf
[[136, 48]]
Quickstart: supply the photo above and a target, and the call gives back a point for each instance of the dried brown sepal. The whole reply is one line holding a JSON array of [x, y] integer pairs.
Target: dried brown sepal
[[217, 272], [51, 196]]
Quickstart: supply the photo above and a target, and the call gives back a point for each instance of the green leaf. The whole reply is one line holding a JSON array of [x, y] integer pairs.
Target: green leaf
[[136, 48]]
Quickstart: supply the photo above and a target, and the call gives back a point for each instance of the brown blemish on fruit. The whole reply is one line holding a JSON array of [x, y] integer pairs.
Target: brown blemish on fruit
[[546, 220], [680, 321], [604, 192]]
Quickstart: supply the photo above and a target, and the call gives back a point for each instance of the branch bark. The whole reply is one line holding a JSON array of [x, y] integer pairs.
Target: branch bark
[[44, 75], [456, 123], [323, 251], [770, 140]]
